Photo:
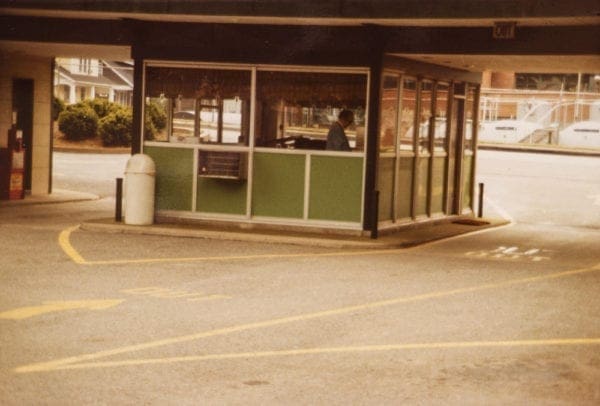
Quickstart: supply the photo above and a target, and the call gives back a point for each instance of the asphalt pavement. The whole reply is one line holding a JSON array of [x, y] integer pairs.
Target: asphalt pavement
[[500, 315]]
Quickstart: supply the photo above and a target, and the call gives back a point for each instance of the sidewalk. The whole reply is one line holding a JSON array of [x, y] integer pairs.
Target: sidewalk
[[57, 196]]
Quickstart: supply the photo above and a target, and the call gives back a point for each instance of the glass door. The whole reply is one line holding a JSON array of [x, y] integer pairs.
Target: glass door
[[440, 149], [422, 193], [388, 130], [455, 149], [405, 164], [468, 167]]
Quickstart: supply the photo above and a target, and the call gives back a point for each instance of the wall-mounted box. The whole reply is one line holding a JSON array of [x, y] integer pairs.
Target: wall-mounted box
[[223, 164]]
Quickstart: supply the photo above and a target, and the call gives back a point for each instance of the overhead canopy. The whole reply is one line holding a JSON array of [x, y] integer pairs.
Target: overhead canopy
[[550, 36]]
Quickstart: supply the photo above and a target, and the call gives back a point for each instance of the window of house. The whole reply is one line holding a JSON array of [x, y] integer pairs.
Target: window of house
[[207, 106], [296, 109], [441, 107], [407, 115], [85, 66]]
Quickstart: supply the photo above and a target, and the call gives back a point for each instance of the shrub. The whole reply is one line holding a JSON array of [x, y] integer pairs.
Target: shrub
[[155, 120], [157, 113], [149, 129], [58, 106], [78, 122], [102, 107], [115, 128]]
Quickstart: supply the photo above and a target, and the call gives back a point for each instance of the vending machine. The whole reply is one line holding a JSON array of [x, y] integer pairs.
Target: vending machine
[[12, 165]]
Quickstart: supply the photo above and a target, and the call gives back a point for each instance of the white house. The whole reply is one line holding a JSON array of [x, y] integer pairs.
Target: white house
[[78, 79]]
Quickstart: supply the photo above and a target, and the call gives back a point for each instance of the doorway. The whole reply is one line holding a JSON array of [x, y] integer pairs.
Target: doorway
[[22, 102]]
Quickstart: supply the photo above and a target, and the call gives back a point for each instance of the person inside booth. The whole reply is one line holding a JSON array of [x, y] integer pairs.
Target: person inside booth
[[336, 137]]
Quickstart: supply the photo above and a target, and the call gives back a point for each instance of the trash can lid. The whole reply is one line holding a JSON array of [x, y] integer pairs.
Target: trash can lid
[[140, 163]]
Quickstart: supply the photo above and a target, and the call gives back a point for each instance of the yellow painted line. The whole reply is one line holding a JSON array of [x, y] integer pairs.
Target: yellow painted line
[[334, 350], [241, 257], [57, 306], [76, 257], [65, 244], [207, 298], [46, 366]]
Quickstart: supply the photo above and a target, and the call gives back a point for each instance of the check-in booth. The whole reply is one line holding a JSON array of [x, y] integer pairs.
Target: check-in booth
[[244, 140]]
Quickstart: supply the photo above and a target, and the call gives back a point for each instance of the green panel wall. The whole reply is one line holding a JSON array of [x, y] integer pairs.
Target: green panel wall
[[404, 185], [438, 179], [225, 196], [423, 169], [336, 188], [174, 177], [385, 185], [278, 188], [466, 182]]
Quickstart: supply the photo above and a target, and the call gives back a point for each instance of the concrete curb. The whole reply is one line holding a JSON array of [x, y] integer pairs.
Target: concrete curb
[[409, 237], [225, 235]]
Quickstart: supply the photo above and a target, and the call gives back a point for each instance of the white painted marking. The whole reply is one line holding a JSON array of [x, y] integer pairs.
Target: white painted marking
[[511, 253]]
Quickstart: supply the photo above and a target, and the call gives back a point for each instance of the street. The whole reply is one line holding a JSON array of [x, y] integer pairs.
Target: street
[[510, 315]]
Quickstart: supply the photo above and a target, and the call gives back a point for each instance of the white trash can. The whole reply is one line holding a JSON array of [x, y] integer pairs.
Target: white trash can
[[140, 174]]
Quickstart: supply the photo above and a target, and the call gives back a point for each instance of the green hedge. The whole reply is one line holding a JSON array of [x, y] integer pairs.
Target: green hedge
[[111, 121], [58, 106], [102, 107], [157, 113], [115, 128], [78, 122]]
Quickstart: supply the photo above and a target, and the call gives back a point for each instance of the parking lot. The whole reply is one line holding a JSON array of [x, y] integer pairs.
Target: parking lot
[[508, 315]]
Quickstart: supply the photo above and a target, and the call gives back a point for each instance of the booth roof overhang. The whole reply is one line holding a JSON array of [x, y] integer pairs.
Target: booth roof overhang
[[548, 36]]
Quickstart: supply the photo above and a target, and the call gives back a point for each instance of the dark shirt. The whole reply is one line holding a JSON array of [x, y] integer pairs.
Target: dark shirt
[[336, 138]]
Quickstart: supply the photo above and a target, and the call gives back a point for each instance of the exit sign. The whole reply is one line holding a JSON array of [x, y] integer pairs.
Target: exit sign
[[504, 30]]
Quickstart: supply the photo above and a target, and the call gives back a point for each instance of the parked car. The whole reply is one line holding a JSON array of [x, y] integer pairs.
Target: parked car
[[184, 114], [581, 134], [507, 131]]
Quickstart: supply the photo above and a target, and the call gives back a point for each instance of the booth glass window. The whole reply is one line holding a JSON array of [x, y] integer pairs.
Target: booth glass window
[[201, 105], [441, 106], [469, 112], [389, 113], [407, 117], [156, 118], [296, 109], [425, 115]]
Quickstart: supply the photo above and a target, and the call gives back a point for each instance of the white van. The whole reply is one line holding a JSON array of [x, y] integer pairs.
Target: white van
[[507, 131], [584, 134]]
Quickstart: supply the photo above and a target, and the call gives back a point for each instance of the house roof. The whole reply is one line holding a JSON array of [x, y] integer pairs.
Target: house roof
[[119, 71], [108, 78]]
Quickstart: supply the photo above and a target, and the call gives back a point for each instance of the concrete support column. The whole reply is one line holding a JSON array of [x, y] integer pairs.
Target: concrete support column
[[503, 80], [138, 107], [498, 80], [486, 79]]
